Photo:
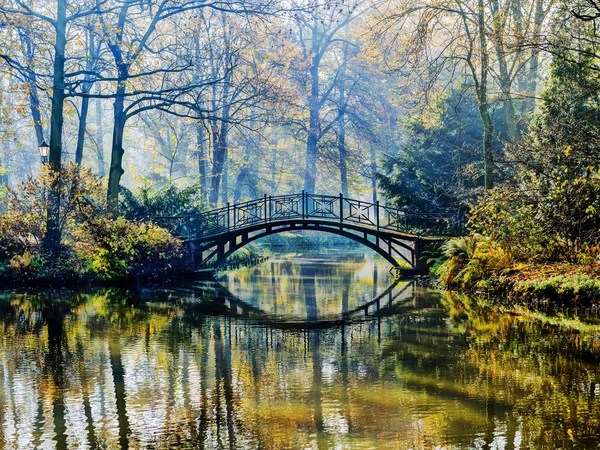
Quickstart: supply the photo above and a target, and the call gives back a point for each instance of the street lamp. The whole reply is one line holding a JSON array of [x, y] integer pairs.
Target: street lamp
[[44, 150]]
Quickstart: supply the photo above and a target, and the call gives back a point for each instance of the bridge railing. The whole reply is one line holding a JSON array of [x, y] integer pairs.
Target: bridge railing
[[270, 209]]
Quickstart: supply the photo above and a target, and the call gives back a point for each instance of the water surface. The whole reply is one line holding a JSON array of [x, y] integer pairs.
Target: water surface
[[303, 351]]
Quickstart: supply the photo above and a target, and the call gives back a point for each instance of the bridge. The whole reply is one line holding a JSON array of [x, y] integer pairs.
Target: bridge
[[397, 235]]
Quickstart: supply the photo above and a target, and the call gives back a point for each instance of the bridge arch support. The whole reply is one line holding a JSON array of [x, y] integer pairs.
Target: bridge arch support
[[397, 250]]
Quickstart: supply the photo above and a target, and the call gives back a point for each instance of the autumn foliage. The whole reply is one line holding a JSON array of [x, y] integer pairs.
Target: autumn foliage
[[94, 246]]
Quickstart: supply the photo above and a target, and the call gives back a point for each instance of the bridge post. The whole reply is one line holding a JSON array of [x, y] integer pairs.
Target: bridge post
[[265, 209], [341, 207], [303, 212], [377, 221], [419, 263], [228, 218], [220, 252], [190, 254]]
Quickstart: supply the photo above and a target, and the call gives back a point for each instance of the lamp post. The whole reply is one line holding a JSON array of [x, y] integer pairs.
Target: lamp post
[[44, 150]]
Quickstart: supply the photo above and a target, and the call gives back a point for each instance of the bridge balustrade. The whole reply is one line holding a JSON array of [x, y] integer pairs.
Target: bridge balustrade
[[306, 206]]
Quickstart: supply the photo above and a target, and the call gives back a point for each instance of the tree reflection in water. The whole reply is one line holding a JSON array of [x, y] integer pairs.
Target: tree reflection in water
[[188, 367]]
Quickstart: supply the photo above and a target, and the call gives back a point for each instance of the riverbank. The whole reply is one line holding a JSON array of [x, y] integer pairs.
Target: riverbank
[[555, 284]]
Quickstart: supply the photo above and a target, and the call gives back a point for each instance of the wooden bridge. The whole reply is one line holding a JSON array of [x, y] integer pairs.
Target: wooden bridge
[[397, 235]]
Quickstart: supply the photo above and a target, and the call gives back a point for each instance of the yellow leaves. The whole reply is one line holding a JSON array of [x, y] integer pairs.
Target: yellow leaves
[[571, 435], [568, 150]]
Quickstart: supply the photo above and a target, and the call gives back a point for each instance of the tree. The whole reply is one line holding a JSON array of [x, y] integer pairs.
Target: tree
[[318, 34], [150, 70], [551, 208], [20, 11], [453, 41], [433, 167], [228, 51]]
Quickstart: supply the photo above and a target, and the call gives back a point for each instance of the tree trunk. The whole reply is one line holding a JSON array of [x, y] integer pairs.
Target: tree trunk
[[342, 126], [539, 16], [312, 150], [219, 156], [201, 158], [116, 158], [34, 99], [373, 173], [343, 158], [85, 103], [225, 179], [508, 108], [505, 81], [239, 184], [34, 105], [52, 238], [482, 102], [488, 156], [100, 139]]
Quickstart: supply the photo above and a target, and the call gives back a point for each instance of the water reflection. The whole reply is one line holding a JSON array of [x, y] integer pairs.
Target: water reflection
[[321, 287], [194, 367]]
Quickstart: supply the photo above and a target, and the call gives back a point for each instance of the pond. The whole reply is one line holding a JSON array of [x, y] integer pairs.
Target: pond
[[316, 351]]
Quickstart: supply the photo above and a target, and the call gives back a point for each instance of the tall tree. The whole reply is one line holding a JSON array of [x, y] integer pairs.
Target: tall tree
[[65, 14], [452, 42], [318, 35]]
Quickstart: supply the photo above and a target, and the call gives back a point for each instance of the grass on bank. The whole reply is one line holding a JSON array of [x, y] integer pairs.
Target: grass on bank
[[480, 264]]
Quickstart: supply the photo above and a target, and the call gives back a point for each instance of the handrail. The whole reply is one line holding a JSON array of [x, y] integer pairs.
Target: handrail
[[306, 206]]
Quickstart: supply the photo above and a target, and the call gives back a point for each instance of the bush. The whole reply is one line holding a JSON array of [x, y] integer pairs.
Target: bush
[[515, 222], [93, 244], [470, 260], [169, 200], [126, 249]]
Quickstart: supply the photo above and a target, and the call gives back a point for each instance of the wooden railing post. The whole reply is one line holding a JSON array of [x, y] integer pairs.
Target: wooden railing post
[[228, 218], [341, 207], [265, 209], [303, 211], [270, 208], [377, 213]]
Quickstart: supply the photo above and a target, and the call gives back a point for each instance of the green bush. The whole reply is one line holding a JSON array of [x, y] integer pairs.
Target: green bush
[[124, 249], [169, 200], [514, 221], [470, 260]]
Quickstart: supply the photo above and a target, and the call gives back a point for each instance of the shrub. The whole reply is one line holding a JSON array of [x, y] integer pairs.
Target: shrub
[[169, 200], [26, 265], [23, 224], [507, 217], [470, 260], [126, 249], [93, 244]]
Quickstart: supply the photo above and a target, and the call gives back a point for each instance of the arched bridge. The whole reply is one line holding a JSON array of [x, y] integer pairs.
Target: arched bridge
[[397, 235]]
